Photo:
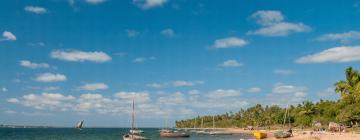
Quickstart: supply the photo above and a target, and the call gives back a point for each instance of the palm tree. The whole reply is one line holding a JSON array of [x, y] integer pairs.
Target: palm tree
[[349, 89]]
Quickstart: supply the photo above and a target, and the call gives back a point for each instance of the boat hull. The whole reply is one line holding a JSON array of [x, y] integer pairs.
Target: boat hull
[[259, 135], [174, 135], [134, 137]]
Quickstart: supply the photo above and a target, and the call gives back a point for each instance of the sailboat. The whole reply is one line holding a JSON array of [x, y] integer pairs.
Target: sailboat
[[131, 135], [79, 125]]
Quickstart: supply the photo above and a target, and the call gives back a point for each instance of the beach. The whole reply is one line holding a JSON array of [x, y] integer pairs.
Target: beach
[[303, 134]]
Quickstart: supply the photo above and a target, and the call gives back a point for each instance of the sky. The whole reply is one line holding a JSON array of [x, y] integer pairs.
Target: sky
[[67, 60]]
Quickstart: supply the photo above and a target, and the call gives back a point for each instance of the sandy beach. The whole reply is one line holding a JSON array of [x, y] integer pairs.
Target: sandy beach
[[304, 134]]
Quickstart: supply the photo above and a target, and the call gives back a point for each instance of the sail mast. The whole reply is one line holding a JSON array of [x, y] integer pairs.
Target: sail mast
[[133, 115]]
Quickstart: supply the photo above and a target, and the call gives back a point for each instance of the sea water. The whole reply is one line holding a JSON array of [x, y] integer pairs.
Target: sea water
[[97, 134]]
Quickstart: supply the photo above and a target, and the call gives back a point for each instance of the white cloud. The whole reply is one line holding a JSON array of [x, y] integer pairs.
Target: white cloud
[[157, 85], [230, 42], [94, 86], [173, 99], [50, 77], [139, 60], [281, 29], [283, 88], [137, 96], [177, 83], [32, 65], [231, 63], [94, 2], [132, 33], [335, 55], [4, 89], [80, 56], [254, 90], [51, 88], [51, 101], [283, 72], [181, 83], [273, 24], [8, 36], [221, 93], [267, 17], [168, 32], [148, 4], [35, 9], [10, 112], [342, 37]]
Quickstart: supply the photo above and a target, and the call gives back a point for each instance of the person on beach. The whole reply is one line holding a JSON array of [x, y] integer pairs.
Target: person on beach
[[290, 131]]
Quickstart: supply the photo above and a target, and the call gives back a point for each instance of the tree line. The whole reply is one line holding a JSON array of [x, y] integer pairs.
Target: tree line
[[345, 111]]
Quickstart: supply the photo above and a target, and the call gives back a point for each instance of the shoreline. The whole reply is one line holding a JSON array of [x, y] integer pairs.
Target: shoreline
[[301, 134]]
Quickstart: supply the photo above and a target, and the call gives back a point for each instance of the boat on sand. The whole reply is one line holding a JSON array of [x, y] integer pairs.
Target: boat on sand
[[260, 135]]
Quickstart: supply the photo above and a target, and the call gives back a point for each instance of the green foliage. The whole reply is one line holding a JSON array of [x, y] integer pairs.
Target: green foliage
[[345, 111]]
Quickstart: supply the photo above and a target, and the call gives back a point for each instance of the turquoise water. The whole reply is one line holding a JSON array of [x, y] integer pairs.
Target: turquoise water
[[95, 134]]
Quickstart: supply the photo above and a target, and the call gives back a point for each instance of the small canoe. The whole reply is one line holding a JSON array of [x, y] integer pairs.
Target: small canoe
[[281, 134], [259, 135]]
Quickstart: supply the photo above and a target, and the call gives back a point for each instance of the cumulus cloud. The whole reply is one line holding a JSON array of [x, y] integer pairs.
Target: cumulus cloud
[[230, 42], [254, 90], [335, 55], [173, 99], [51, 101], [35, 9], [8, 36], [283, 72], [80, 56], [50, 77], [177, 83], [231, 63], [148, 4], [342, 37], [221, 93], [32, 65], [168, 32], [272, 24], [182, 83], [94, 2], [137, 96], [283, 88], [93, 86]]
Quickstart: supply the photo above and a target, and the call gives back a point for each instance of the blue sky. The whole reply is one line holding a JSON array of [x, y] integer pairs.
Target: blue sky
[[63, 61]]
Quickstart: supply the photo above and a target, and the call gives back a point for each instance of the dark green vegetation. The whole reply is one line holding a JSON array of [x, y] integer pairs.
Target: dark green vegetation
[[344, 111]]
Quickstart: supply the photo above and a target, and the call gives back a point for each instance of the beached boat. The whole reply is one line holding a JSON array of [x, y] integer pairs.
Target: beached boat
[[132, 132], [173, 135], [260, 135], [281, 134], [79, 125]]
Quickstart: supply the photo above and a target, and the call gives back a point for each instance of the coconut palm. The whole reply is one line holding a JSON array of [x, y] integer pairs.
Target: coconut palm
[[349, 89]]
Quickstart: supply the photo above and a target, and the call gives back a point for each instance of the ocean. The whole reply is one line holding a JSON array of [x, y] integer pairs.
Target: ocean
[[96, 134]]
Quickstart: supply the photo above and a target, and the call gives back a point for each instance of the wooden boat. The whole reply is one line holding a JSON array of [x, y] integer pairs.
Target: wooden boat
[[281, 134], [134, 137], [173, 135], [131, 135], [260, 135]]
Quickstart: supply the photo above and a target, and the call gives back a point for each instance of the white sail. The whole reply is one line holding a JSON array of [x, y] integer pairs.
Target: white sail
[[79, 124]]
